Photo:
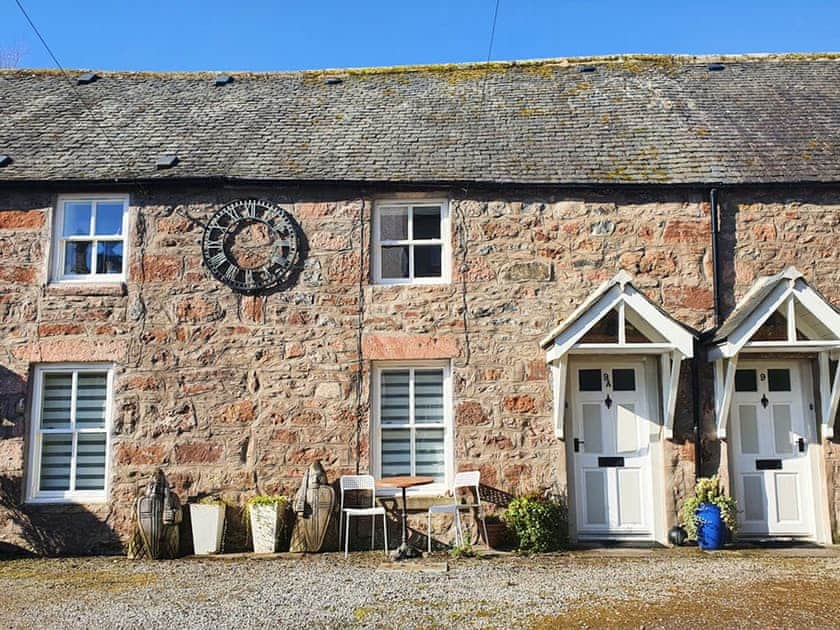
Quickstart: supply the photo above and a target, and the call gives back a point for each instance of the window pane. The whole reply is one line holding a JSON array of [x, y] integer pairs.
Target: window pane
[[109, 218], [91, 396], [395, 262], [394, 403], [624, 380], [427, 261], [589, 380], [109, 257], [77, 218], [782, 429], [428, 396], [393, 224], [56, 451], [746, 381], [426, 222], [396, 452], [90, 461], [77, 255], [778, 380], [428, 445], [57, 395]]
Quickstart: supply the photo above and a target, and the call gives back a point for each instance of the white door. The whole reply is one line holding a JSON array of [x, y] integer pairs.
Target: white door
[[611, 451], [772, 478]]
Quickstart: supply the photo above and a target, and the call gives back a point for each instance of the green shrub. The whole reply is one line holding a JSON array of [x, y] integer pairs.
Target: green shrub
[[539, 524], [462, 551], [708, 490]]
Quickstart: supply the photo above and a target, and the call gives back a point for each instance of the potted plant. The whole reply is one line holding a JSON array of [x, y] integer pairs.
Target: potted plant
[[708, 515], [497, 531], [267, 521], [207, 518]]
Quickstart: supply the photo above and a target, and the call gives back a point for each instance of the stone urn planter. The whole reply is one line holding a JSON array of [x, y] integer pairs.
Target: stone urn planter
[[267, 517], [208, 526]]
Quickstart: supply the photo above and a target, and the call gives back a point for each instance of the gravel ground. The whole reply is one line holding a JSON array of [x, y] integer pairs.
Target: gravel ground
[[668, 588]]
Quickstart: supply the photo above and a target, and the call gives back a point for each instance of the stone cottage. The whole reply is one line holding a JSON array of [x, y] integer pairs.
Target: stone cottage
[[594, 277]]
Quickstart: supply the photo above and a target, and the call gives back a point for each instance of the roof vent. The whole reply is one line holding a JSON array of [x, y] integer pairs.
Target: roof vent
[[5, 160], [87, 77], [223, 79], [715, 67], [167, 160], [334, 80], [587, 69]]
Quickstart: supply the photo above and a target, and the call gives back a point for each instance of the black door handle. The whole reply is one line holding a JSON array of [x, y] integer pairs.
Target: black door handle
[[577, 445], [801, 444]]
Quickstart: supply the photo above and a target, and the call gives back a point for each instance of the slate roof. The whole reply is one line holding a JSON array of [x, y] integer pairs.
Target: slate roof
[[630, 120]]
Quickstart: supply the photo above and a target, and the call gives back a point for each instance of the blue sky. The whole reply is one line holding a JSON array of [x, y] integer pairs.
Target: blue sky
[[286, 35]]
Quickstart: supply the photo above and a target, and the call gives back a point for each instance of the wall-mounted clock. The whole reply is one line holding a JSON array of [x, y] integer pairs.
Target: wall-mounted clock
[[250, 245]]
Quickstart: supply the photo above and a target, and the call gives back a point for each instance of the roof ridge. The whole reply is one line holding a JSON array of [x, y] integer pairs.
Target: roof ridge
[[628, 58]]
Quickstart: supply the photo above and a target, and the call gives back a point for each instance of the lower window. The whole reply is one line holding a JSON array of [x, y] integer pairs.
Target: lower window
[[412, 422], [69, 450]]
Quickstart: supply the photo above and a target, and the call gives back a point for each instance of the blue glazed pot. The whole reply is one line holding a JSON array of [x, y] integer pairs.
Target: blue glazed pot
[[711, 530]]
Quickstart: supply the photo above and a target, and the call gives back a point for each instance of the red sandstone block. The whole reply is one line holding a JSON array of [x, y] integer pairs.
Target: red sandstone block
[[687, 231], [241, 412], [50, 330], [408, 347], [470, 413], [161, 268], [520, 404], [197, 452], [697, 297], [136, 455], [21, 220], [17, 274]]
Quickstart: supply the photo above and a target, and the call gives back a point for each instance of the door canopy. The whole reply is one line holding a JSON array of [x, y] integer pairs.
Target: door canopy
[[783, 314], [618, 319]]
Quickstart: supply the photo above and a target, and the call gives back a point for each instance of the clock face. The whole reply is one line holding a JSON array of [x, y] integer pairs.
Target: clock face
[[250, 245]]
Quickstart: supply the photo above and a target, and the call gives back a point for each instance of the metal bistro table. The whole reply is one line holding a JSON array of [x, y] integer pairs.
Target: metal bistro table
[[405, 481]]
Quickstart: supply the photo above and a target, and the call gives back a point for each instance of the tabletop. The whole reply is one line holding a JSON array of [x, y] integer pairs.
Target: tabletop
[[403, 481]]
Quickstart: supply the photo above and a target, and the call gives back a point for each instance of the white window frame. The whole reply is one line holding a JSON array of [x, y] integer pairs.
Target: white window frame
[[58, 239], [33, 495], [444, 242], [437, 488]]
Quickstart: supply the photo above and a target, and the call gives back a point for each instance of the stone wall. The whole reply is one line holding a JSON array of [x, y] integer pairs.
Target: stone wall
[[236, 395]]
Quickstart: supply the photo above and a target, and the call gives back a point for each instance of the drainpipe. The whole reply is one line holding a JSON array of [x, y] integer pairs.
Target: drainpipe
[[695, 408], [713, 203]]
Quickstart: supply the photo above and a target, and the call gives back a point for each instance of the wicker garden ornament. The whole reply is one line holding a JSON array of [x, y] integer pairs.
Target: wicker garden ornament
[[314, 504], [158, 513]]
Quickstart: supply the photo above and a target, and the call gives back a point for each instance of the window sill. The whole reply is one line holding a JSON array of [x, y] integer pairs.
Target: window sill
[[411, 283], [117, 289], [58, 501]]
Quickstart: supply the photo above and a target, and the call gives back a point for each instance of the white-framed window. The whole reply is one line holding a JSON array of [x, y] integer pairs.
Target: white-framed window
[[412, 422], [411, 242], [69, 451], [90, 239]]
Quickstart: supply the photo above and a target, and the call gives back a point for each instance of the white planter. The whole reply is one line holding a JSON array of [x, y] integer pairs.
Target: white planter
[[266, 526], [208, 526]]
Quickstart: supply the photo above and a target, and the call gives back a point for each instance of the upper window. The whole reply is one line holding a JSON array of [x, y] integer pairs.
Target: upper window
[[410, 242], [412, 422], [90, 239], [69, 438]]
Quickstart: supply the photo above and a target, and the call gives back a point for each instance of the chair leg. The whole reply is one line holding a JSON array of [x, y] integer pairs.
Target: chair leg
[[459, 531], [340, 526], [484, 525], [347, 537], [385, 532], [429, 532], [372, 531]]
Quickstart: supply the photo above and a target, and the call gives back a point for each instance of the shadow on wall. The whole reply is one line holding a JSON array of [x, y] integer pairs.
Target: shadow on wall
[[50, 530]]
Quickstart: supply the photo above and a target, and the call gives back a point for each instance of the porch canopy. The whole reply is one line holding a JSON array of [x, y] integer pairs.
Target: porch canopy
[[618, 319], [784, 314]]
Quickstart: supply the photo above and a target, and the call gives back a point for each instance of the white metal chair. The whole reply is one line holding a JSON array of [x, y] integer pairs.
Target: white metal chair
[[469, 479], [352, 483]]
